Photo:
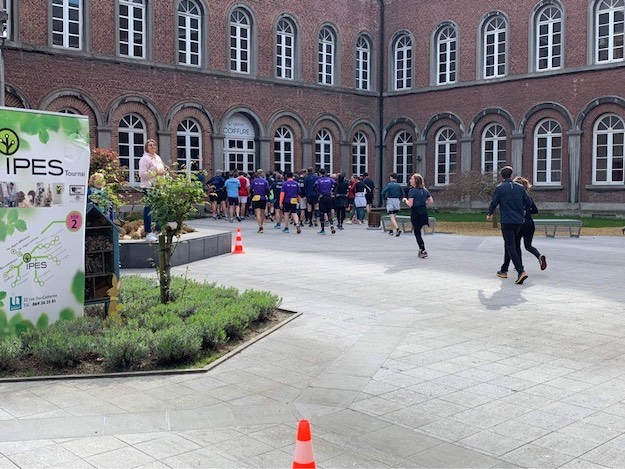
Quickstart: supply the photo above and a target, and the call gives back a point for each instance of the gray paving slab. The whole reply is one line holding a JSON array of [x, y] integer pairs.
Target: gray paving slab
[[396, 361]]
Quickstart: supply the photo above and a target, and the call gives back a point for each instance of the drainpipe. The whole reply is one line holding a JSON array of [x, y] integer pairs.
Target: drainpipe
[[381, 69]]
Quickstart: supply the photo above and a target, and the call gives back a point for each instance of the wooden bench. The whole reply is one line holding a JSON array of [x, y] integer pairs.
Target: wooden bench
[[551, 226], [404, 223]]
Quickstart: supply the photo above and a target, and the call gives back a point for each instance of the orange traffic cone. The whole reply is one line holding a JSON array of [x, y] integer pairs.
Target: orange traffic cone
[[238, 243], [303, 447]]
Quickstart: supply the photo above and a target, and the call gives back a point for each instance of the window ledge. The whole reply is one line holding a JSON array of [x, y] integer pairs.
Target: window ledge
[[605, 187], [539, 188]]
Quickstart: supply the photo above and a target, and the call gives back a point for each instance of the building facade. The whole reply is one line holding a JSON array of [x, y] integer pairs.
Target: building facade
[[440, 87]]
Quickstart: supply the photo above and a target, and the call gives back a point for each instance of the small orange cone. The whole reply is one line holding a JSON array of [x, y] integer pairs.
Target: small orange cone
[[238, 243], [303, 447]]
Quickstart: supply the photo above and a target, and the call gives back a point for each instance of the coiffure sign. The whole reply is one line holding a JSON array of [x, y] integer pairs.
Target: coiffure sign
[[238, 126]]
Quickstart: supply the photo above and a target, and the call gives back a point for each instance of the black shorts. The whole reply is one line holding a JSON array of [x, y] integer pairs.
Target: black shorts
[[325, 204], [261, 204], [312, 199], [233, 200], [369, 197], [289, 208]]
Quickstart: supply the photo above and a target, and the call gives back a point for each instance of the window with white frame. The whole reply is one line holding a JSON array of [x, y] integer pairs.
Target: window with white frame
[[363, 63], [493, 149], [548, 153], [607, 161], [283, 150], [285, 49], [549, 38], [446, 55], [67, 23], [132, 28], [323, 150], [446, 156], [609, 24], [327, 45], [495, 47], [132, 136], [189, 33], [240, 35], [188, 146], [360, 153], [402, 156], [402, 60], [5, 5]]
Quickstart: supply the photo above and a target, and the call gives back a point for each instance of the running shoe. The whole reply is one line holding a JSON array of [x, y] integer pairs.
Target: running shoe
[[260, 230], [341, 227], [238, 218], [315, 222], [390, 233], [543, 262], [502, 274], [332, 229], [286, 230], [423, 254], [521, 278], [277, 226], [322, 232], [299, 230], [397, 234]]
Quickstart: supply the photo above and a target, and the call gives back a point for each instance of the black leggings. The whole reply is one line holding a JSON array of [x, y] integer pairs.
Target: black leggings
[[527, 233], [417, 225], [340, 215]]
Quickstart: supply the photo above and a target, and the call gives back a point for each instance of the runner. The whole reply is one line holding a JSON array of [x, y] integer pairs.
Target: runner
[[274, 197], [244, 192], [232, 186], [260, 191], [312, 198], [324, 187], [289, 201]]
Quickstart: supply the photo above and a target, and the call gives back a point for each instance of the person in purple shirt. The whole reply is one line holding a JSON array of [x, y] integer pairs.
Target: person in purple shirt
[[260, 190], [324, 186], [289, 201]]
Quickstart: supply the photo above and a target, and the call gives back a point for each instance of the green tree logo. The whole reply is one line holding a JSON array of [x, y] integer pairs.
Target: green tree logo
[[9, 142]]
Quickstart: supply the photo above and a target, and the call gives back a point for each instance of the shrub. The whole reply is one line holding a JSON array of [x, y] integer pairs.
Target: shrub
[[263, 302], [126, 349], [59, 349], [210, 328], [159, 318], [10, 352], [177, 344]]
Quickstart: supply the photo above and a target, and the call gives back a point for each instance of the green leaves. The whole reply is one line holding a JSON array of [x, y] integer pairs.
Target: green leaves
[[12, 223], [78, 287], [67, 314]]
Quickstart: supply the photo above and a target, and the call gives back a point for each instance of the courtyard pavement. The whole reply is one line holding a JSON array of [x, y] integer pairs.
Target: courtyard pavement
[[396, 361]]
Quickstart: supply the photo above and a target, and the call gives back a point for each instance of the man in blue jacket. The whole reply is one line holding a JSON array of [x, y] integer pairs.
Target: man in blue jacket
[[513, 201]]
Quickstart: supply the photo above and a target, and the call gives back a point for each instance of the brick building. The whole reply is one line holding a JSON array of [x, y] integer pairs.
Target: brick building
[[437, 87]]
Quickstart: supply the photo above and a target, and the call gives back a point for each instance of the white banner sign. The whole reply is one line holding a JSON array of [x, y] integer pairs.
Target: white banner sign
[[44, 166]]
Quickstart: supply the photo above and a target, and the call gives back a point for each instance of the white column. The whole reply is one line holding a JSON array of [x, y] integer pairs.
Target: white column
[[575, 169]]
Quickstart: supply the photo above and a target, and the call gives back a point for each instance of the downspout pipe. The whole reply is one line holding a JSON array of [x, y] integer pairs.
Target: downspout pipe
[[381, 69]]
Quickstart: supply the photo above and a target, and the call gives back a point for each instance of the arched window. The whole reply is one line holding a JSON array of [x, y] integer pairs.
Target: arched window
[[446, 55], [609, 34], [493, 149], [607, 161], [446, 156], [549, 38], [402, 156], [189, 33], [363, 63], [402, 60], [495, 47], [189, 146], [285, 49], [327, 45], [283, 150], [360, 153], [323, 150], [240, 38], [132, 136], [67, 23], [132, 28], [548, 153]]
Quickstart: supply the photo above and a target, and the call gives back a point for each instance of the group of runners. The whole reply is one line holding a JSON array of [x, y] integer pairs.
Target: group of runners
[[309, 197]]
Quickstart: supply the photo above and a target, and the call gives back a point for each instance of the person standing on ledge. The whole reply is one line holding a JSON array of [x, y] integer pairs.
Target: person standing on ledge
[[150, 166], [513, 202], [418, 200]]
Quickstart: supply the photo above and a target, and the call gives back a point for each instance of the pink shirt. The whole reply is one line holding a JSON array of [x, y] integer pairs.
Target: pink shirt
[[149, 166]]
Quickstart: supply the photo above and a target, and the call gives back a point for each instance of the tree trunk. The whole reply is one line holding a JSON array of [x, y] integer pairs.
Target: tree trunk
[[164, 266]]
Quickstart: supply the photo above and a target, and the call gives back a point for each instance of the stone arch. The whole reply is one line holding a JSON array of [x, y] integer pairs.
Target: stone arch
[[333, 125], [197, 112], [295, 123], [14, 97], [490, 111], [566, 115], [442, 115], [368, 128], [133, 105], [616, 100], [401, 121]]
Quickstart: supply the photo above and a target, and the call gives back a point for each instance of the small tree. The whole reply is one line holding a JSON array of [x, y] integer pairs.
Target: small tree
[[172, 198], [467, 187]]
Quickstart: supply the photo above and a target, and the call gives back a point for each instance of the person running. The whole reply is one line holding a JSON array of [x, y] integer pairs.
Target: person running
[[217, 194], [324, 186], [526, 233], [232, 186], [340, 199], [301, 208], [393, 192], [274, 197], [369, 186], [360, 201], [418, 200], [312, 198], [289, 201], [244, 192], [260, 192], [513, 202], [351, 195]]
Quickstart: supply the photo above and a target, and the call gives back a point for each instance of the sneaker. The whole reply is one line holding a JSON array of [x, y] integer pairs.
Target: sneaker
[[286, 230], [231, 220], [543, 262], [214, 217], [502, 274], [423, 254], [322, 232], [238, 218], [390, 233], [310, 225], [397, 234], [260, 230], [151, 238], [521, 278], [299, 230], [341, 227], [332, 229], [315, 222], [349, 222], [277, 226]]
